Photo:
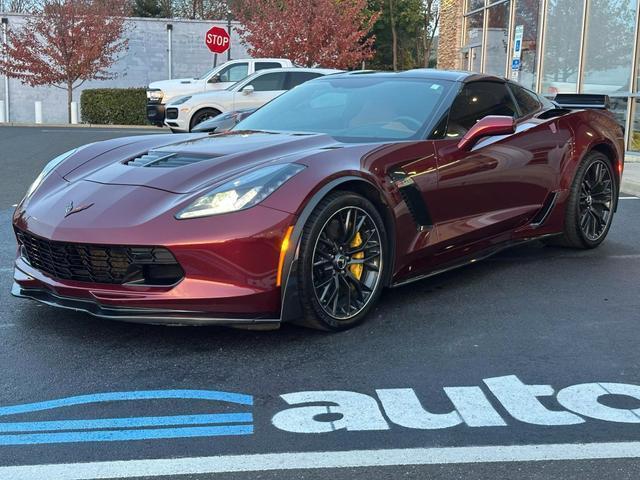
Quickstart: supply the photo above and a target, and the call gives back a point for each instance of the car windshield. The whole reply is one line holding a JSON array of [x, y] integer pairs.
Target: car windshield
[[354, 108]]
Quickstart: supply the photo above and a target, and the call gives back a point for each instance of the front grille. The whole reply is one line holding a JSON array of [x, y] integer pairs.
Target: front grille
[[100, 263], [172, 113]]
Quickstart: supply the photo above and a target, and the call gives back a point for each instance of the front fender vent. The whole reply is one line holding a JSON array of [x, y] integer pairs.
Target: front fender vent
[[163, 160]]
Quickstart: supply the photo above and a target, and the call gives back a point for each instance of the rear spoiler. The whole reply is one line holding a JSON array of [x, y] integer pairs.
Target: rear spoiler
[[575, 101]]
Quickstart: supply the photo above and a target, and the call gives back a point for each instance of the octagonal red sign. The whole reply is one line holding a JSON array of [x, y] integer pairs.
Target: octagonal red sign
[[217, 39]]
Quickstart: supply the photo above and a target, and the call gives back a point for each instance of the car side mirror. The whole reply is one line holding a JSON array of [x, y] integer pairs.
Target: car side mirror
[[215, 78], [488, 126], [248, 90]]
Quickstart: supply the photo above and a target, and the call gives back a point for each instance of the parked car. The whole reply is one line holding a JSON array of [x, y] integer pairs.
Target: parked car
[[254, 91], [218, 78], [309, 207], [223, 122]]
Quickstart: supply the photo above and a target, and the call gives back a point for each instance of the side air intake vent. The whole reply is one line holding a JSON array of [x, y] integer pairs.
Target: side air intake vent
[[163, 160]]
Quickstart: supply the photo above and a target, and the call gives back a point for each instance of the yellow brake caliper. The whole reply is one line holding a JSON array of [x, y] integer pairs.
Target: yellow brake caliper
[[357, 268]]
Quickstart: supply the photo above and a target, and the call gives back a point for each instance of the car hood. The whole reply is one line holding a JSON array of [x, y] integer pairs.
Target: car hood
[[193, 162], [215, 96]]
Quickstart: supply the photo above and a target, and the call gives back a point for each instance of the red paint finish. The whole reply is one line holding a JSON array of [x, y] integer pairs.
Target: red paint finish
[[478, 193]]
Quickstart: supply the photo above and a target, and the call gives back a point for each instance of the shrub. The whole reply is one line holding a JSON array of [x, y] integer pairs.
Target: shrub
[[114, 106]]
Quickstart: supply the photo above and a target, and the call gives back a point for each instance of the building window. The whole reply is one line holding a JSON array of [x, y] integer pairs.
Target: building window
[[472, 53], [526, 21], [609, 46], [562, 46], [497, 39]]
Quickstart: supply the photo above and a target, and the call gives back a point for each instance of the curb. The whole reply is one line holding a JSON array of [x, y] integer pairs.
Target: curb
[[83, 125], [630, 186]]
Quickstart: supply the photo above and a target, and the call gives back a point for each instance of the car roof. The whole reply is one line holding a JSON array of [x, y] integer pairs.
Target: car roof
[[427, 73]]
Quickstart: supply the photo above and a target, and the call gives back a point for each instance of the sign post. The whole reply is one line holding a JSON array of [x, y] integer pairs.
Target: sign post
[[517, 52]]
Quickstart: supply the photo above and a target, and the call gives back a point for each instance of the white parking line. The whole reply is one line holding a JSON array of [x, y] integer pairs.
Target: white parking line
[[628, 198], [315, 460]]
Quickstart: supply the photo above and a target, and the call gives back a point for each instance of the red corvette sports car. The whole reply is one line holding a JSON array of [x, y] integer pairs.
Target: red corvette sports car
[[308, 208]]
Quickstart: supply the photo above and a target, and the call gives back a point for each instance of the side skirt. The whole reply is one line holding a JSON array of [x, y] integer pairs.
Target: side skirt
[[473, 259]]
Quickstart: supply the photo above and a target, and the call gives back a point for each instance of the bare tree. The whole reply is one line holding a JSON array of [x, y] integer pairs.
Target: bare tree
[[431, 21]]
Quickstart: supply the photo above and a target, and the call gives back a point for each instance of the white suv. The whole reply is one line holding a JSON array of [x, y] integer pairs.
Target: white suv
[[184, 113], [218, 78]]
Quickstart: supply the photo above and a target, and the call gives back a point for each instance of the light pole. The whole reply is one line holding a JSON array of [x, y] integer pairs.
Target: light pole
[[229, 31], [5, 26]]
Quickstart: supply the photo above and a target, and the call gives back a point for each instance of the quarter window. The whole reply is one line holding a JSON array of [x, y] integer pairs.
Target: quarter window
[[474, 102], [527, 101]]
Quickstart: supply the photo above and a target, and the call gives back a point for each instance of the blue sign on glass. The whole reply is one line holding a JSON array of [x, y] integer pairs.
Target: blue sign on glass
[[517, 46], [515, 64]]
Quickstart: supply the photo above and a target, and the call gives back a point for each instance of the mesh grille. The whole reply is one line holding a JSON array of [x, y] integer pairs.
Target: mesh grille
[[90, 263]]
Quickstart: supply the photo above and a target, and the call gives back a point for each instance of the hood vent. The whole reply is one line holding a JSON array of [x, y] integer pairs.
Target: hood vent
[[163, 160]]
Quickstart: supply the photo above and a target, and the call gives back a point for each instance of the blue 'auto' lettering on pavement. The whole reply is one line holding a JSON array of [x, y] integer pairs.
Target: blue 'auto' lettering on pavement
[[131, 428]]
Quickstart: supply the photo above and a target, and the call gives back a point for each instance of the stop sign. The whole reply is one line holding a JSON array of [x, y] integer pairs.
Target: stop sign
[[217, 39]]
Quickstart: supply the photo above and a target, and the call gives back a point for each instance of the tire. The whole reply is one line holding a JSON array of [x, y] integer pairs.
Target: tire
[[591, 203], [341, 269], [202, 115]]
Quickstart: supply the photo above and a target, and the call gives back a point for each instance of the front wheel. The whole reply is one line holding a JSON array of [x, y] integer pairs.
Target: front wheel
[[591, 202], [202, 115], [342, 262]]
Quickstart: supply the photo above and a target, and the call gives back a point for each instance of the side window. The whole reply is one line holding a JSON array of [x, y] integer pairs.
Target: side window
[[474, 102], [296, 78], [527, 101], [234, 73], [269, 82], [267, 65]]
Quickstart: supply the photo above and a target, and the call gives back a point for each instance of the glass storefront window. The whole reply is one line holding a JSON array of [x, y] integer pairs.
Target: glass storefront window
[[527, 17], [608, 55], [473, 41], [634, 128], [474, 4], [497, 39], [562, 46]]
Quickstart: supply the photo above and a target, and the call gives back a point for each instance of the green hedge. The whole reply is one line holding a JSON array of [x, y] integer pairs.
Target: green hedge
[[114, 106]]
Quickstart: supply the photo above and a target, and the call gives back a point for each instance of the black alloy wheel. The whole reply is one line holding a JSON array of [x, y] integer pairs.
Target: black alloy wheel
[[343, 253], [596, 200], [591, 203], [202, 115]]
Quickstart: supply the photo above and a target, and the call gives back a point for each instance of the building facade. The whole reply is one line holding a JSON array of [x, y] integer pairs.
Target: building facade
[[551, 46], [159, 49]]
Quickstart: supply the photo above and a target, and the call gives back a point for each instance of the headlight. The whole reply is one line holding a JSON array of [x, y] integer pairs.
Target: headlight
[[243, 192], [155, 95], [181, 100], [49, 168]]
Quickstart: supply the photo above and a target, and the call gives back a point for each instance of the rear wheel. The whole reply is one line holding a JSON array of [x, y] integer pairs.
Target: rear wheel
[[342, 262], [202, 115], [591, 202]]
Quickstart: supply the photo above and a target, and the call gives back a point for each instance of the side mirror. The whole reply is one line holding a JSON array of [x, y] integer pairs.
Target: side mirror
[[215, 78], [248, 90], [489, 125]]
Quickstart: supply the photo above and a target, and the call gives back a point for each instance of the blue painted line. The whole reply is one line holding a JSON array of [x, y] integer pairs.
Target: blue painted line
[[123, 435], [126, 422], [134, 395]]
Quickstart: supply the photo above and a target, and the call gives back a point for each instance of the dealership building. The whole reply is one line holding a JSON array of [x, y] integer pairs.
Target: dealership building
[[551, 46]]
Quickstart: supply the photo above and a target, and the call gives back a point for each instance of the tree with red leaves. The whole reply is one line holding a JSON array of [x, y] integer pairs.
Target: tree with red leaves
[[329, 33], [66, 44]]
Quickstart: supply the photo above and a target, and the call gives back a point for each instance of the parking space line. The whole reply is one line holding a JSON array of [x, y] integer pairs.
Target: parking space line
[[628, 198], [328, 459]]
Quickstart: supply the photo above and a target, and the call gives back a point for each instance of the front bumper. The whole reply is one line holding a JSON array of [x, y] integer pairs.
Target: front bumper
[[155, 113], [178, 121], [141, 315]]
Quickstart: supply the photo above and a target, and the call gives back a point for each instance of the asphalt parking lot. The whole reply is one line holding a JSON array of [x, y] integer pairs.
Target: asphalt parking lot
[[437, 384]]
